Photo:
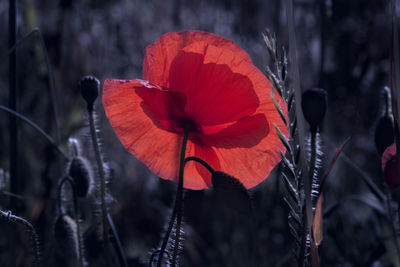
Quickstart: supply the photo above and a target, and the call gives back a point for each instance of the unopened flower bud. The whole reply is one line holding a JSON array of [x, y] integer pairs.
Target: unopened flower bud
[[90, 87], [82, 175], [65, 230], [314, 103], [231, 192]]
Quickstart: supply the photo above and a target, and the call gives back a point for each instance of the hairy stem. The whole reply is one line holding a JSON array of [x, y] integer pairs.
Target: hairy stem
[[177, 211], [34, 236], [100, 166], [179, 197]]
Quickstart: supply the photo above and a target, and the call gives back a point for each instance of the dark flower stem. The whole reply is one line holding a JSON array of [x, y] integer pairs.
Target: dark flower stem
[[69, 180], [202, 162], [179, 196], [177, 211], [100, 166]]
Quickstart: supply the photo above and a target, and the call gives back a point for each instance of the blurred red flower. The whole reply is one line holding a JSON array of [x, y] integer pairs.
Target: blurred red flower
[[208, 82], [390, 167]]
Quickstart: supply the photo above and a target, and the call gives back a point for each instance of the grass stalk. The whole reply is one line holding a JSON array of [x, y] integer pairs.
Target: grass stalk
[[12, 98], [294, 70]]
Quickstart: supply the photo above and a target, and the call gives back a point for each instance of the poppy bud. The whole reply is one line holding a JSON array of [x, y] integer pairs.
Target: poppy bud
[[81, 173], [390, 167], [90, 87], [384, 134], [74, 147], [313, 103], [231, 191], [65, 230]]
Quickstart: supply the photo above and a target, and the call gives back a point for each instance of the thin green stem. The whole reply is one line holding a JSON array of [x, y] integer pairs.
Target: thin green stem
[[177, 211], [36, 127], [179, 195], [117, 242], [100, 166]]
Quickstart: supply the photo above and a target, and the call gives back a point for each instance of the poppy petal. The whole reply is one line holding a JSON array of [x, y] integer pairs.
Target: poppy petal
[[248, 149], [215, 94], [136, 130], [162, 52], [165, 106]]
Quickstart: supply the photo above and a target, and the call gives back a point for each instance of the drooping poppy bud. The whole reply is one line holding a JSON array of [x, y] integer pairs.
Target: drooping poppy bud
[[314, 103], [90, 87], [232, 192], [82, 175], [390, 167], [65, 233], [384, 134]]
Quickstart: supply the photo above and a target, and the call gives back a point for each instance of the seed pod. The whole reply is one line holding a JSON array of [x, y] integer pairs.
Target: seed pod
[[314, 103], [81, 173], [90, 87], [384, 134], [65, 233], [231, 192]]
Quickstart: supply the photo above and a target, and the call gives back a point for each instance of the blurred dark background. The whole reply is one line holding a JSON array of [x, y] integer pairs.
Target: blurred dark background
[[343, 46]]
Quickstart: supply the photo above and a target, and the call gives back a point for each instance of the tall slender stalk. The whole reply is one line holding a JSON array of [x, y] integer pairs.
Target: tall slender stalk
[[294, 70], [12, 96], [12, 104], [100, 166], [179, 195], [177, 211]]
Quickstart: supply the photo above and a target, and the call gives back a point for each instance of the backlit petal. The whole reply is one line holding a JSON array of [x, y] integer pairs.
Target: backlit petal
[[161, 53], [215, 94], [137, 131]]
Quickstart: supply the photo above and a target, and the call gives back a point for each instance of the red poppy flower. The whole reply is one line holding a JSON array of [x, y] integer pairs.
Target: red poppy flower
[[390, 167], [209, 83]]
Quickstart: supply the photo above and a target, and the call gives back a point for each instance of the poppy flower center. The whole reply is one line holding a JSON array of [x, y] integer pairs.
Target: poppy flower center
[[190, 124]]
